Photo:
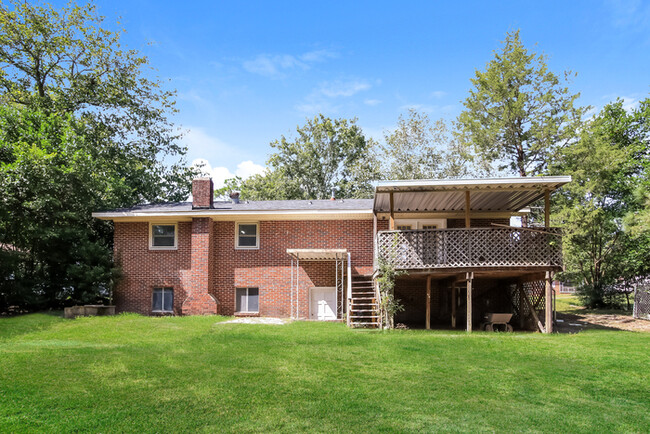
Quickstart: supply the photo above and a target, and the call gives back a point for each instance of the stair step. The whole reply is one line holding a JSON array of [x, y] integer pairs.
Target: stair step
[[365, 324], [362, 293]]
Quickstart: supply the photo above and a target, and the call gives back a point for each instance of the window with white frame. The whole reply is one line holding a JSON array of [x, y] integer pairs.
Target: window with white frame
[[247, 300], [163, 300], [247, 236], [427, 227], [163, 236], [404, 227]]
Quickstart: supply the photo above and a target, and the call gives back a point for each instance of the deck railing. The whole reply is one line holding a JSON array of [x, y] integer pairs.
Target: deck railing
[[473, 247]]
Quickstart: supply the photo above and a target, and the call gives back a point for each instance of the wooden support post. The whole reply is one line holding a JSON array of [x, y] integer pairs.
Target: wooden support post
[[547, 209], [469, 277], [520, 294], [391, 221], [467, 207], [454, 299], [549, 303], [427, 320]]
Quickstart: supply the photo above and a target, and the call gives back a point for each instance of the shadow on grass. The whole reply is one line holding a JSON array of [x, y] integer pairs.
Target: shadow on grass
[[13, 326]]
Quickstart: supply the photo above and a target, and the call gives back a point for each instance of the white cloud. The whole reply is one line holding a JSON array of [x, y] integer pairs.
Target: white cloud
[[318, 56], [437, 94], [630, 14], [277, 65], [219, 174], [320, 100], [198, 141], [343, 89], [372, 102]]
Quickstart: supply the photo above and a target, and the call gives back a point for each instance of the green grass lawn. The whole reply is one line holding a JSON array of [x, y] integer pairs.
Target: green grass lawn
[[133, 373]]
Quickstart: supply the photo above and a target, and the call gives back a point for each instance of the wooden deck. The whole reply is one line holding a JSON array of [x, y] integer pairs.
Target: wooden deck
[[497, 247]]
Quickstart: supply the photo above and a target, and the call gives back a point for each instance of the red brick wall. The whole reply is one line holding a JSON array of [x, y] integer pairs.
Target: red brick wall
[[196, 280], [144, 269], [267, 268]]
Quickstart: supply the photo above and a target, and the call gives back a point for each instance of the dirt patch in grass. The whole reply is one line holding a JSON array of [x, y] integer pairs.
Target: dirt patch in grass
[[575, 322]]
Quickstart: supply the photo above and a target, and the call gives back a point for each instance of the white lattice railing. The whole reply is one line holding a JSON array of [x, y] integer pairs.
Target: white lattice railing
[[473, 247]]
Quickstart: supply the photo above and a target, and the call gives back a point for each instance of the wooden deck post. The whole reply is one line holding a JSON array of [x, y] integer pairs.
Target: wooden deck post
[[427, 321], [520, 294], [469, 277], [391, 218], [549, 303], [547, 209], [467, 207], [454, 298]]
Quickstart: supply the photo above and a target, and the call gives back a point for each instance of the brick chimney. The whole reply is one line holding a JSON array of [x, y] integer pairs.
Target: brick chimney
[[202, 193]]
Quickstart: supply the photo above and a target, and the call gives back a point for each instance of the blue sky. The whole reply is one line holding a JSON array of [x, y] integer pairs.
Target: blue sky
[[248, 72]]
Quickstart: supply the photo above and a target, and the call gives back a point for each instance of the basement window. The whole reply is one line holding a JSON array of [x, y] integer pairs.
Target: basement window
[[247, 300], [163, 300], [163, 236], [247, 236]]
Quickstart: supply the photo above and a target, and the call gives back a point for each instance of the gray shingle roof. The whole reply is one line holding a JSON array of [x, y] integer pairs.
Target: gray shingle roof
[[262, 205]]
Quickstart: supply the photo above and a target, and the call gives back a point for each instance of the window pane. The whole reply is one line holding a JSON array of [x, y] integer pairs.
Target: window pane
[[163, 235], [163, 241], [168, 300], [248, 230], [157, 299], [253, 299], [240, 300], [247, 241], [163, 230]]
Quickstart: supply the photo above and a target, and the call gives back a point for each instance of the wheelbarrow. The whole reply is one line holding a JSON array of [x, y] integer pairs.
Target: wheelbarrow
[[497, 319]]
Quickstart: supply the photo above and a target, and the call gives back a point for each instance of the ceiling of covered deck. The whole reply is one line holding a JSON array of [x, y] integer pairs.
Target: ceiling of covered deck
[[496, 194]]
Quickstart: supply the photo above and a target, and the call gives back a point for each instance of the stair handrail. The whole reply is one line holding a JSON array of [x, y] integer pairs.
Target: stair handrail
[[349, 281], [379, 313]]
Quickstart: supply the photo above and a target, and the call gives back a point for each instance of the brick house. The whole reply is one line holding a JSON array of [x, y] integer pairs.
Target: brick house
[[318, 259]]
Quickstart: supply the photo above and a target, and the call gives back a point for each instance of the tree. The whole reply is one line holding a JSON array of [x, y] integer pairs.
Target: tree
[[326, 155], [51, 183], [608, 168], [518, 114], [81, 129], [420, 149], [63, 61]]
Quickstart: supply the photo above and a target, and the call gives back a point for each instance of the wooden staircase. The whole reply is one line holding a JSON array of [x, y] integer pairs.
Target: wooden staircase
[[364, 306]]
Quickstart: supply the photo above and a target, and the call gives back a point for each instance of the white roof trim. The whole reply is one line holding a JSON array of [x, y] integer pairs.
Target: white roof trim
[[533, 181], [209, 213]]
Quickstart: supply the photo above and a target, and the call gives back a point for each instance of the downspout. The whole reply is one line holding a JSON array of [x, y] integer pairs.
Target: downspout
[[349, 278]]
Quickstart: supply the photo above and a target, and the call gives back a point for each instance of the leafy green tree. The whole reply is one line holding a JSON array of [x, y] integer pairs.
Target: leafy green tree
[[64, 61], [82, 128], [327, 154], [421, 149], [518, 114], [51, 183], [600, 251]]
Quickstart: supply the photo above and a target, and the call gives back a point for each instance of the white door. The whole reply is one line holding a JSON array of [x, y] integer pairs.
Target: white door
[[322, 304]]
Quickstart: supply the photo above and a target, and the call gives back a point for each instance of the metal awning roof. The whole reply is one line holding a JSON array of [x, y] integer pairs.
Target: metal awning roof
[[318, 254], [448, 195]]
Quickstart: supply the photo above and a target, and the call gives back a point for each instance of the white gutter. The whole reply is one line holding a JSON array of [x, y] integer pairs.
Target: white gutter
[[209, 213]]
